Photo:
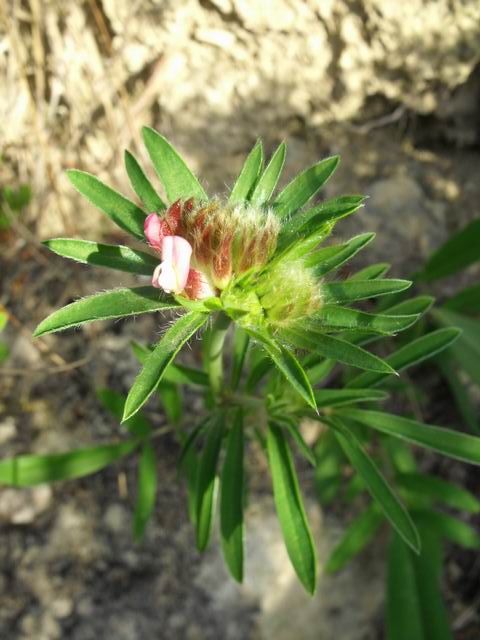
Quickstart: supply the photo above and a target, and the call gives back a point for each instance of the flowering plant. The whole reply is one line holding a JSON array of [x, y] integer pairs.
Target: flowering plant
[[250, 264]]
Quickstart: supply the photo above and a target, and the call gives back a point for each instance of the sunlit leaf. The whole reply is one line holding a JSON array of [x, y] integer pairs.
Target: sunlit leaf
[[269, 178], [352, 290], [142, 185], [248, 175]]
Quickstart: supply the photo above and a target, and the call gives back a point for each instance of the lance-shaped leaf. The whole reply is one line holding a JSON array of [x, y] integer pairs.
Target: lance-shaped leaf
[[439, 490], [157, 362], [450, 527], [292, 427], [334, 318], [290, 509], [104, 255], [286, 363], [146, 491], [142, 185], [269, 178], [451, 443], [308, 222], [177, 373], [372, 272], [125, 213], [330, 258], [353, 290], [467, 348], [206, 481], [231, 500], [360, 532], [377, 485], [342, 397], [411, 354], [457, 253], [30, 470], [118, 303], [171, 401], [337, 349], [176, 177], [248, 175], [418, 305], [465, 301], [304, 186]]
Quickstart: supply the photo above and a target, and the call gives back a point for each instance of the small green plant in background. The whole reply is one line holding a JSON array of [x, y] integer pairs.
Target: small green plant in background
[[12, 201], [253, 267], [3, 346]]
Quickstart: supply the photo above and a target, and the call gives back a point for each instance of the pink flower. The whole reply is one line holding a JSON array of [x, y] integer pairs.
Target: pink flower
[[171, 275]]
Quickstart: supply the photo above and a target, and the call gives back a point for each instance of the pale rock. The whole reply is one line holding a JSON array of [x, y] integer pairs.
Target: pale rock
[[23, 506], [8, 430]]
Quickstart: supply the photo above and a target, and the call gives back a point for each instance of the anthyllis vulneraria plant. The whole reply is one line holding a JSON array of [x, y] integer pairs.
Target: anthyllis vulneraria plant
[[250, 263]]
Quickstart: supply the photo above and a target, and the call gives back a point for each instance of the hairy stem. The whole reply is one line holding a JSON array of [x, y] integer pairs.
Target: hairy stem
[[214, 359]]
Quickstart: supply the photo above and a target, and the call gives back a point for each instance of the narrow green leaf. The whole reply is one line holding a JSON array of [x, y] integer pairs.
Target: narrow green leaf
[[268, 180], [206, 481], [146, 491], [358, 535], [342, 397], [248, 175], [334, 318], [329, 468], [290, 509], [171, 400], [465, 301], [114, 402], [337, 349], [142, 185], [177, 373], [190, 440], [104, 255], [176, 177], [404, 616], [377, 485], [451, 528], [231, 500], [461, 394], [372, 272], [294, 431], [329, 258], [304, 186], [352, 290], [155, 365], [411, 354], [467, 348], [439, 490], [240, 346], [118, 303], [458, 252], [29, 470], [125, 213], [286, 363], [418, 305], [451, 443]]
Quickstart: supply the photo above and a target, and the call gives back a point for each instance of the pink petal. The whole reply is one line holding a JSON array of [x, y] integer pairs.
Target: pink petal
[[178, 252]]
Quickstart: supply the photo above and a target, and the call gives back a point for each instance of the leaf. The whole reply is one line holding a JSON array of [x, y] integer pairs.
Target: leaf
[[248, 175], [404, 617], [114, 402], [466, 301], [155, 365], [231, 500], [451, 528], [176, 177], [411, 354], [467, 348], [104, 255], [290, 509], [358, 535], [341, 397], [190, 440], [330, 258], [269, 178], [418, 305], [125, 213], [459, 390], [171, 400], [334, 318], [240, 346], [30, 470], [337, 349], [295, 434], [451, 443], [377, 485], [142, 185], [286, 363], [439, 490], [372, 272], [328, 471], [118, 303], [177, 373], [146, 491], [206, 481], [304, 186], [457, 253], [353, 290]]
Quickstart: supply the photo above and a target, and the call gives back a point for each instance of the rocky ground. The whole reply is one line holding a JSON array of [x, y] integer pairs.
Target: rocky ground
[[392, 87]]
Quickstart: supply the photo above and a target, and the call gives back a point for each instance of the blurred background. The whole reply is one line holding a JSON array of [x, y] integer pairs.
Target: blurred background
[[393, 87]]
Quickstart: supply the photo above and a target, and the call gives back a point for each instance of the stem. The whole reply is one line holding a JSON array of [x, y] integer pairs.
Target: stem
[[214, 356]]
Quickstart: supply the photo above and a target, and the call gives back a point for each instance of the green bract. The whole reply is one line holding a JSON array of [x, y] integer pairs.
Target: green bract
[[275, 281]]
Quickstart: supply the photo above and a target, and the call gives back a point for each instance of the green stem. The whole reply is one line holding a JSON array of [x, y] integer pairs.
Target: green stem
[[215, 353]]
